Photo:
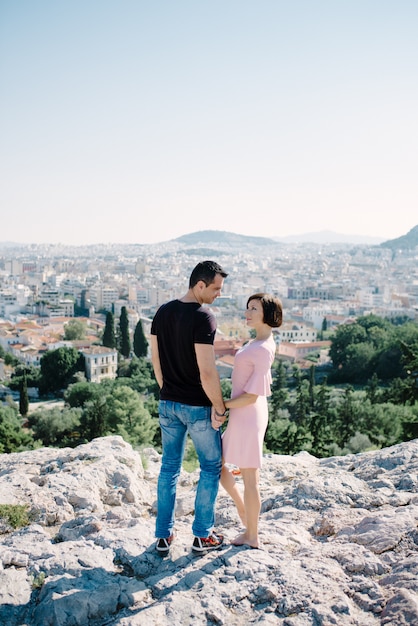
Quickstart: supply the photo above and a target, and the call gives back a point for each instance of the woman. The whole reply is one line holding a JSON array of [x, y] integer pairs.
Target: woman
[[242, 441]]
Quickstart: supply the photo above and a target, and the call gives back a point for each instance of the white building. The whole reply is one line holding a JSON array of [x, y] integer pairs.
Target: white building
[[101, 362], [292, 331]]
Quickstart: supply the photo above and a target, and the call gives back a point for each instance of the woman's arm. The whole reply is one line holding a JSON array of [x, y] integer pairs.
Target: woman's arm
[[242, 400]]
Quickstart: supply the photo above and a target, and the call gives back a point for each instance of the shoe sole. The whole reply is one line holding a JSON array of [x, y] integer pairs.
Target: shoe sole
[[163, 552], [205, 550]]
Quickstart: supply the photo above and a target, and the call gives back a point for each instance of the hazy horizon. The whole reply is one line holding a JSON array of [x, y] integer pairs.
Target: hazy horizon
[[323, 236]]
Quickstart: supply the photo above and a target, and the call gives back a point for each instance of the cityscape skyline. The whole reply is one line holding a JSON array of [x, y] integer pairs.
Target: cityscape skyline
[[139, 122], [219, 237]]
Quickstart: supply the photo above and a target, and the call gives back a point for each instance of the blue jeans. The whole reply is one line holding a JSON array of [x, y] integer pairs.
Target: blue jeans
[[176, 420]]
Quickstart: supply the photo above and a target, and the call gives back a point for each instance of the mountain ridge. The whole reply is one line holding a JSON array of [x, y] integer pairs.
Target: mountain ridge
[[320, 237], [409, 241]]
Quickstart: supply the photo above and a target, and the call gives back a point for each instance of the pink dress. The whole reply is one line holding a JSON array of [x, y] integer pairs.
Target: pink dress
[[242, 441]]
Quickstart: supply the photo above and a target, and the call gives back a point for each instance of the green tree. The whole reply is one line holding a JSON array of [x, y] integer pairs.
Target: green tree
[[289, 438], [279, 393], [94, 418], [322, 404], [74, 329], [371, 344], [140, 341], [10, 359], [226, 386], [397, 392], [300, 410], [128, 417], [410, 363], [321, 435], [23, 398], [358, 443], [138, 374], [58, 368], [109, 335], [345, 336], [124, 340], [275, 437], [312, 387], [346, 422], [372, 389], [359, 358], [21, 371], [56, 427], [79, 393], [13, 438], [382, 423]]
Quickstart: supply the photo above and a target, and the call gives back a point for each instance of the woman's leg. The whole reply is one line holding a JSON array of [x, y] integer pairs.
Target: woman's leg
[[229, 483], [252, 502]]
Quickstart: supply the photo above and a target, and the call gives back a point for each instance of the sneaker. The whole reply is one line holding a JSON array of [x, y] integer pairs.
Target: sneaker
[[163, 545], [206, 544]]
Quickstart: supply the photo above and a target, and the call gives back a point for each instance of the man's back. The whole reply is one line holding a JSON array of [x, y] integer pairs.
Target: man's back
[[179, 326]]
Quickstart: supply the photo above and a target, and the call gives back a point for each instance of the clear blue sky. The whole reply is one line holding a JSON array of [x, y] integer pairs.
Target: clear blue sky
[[133, 121]]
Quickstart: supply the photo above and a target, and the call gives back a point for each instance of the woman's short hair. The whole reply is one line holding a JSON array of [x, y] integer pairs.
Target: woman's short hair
[[272, 308]]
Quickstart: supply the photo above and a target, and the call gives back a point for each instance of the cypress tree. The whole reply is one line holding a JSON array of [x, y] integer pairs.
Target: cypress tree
[[279, 393], [109, 336], [312, 387], [23, 398], [125, 343], [140, 342]]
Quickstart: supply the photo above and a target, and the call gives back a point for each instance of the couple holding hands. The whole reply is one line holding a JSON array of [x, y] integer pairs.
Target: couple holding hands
[[191, 402]]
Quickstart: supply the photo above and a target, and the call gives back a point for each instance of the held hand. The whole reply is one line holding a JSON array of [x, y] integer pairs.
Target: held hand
[[216, 420]]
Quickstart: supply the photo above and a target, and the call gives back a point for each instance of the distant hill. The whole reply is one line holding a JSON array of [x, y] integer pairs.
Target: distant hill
[[224, 237], [12, 244], [328, 236], [406, 242], [232, 239]]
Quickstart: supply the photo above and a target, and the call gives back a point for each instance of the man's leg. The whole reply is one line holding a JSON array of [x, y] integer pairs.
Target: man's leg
[[207, 442], [173, 437]]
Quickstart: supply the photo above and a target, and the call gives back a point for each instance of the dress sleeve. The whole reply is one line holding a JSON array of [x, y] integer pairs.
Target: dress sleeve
[[260, 379]]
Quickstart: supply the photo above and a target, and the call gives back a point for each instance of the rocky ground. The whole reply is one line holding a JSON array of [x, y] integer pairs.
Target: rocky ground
[[340, 543]]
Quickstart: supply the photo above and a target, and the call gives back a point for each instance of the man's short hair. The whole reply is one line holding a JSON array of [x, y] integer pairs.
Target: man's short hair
[[206, 271]]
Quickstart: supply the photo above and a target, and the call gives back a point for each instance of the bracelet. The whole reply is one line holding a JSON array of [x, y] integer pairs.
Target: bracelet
[[224, 414]]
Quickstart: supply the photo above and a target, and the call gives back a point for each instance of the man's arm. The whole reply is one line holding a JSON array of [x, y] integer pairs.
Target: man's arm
[[209, 376], [155, 358]]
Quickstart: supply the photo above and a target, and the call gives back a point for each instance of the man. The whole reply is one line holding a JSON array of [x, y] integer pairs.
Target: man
[[182, 336]]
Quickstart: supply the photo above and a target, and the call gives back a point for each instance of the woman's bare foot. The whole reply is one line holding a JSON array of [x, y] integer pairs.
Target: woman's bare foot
[[244, 540]]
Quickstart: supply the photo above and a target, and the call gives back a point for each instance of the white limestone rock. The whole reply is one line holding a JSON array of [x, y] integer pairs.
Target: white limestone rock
[[340, 543]]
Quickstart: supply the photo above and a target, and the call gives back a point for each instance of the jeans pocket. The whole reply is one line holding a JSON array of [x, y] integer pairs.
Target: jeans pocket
[[165, 413], [199, 418]]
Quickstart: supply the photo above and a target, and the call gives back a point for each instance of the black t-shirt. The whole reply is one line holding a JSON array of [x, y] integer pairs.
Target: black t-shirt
[[178, 326]]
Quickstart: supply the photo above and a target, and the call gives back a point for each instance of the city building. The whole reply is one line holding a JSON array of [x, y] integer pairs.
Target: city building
[[101, 362]]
